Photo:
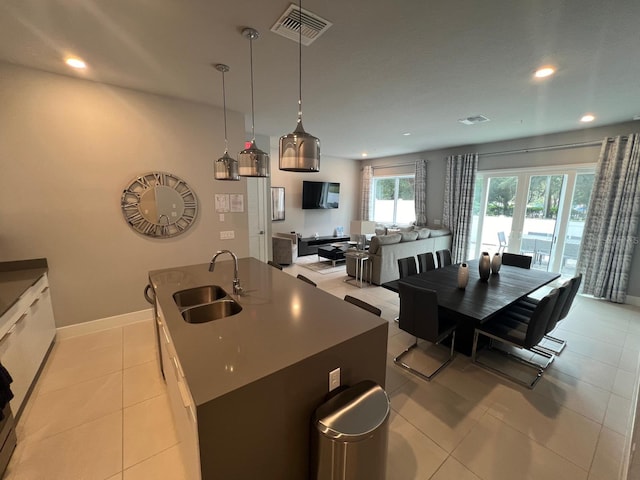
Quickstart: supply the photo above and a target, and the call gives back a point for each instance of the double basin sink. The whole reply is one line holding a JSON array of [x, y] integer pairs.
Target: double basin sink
[[205, 304]]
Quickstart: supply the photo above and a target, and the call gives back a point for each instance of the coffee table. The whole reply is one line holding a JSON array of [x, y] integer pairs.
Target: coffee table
[[333, 253]]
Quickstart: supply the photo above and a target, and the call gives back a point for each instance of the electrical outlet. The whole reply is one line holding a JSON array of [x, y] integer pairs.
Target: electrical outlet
[[222, 217], [437, 221], [334, 379], [227, 235]]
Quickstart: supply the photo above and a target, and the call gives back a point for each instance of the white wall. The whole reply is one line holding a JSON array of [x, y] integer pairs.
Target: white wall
[[69, 147], [307, 222], [437, 163]]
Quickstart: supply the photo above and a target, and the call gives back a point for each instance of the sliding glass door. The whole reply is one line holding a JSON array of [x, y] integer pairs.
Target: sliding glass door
[[532, 212]]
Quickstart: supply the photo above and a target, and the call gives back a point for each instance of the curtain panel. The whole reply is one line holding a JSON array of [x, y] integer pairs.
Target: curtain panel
[[366, 200], [458, 201], [421, 192], [611, 226]]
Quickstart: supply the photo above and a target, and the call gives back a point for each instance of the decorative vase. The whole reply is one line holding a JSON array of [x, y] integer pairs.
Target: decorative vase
[[463, 275], [496, 263], [484, 266]]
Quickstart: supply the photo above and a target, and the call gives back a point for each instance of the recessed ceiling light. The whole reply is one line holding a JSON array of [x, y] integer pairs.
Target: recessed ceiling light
[[406, 134], [364, 154], [587, 118], [75, 63], [545, 72]]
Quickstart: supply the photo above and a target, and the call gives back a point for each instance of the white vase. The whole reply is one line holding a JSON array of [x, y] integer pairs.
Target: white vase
[[463, 275], [484, 266], [496, 263]]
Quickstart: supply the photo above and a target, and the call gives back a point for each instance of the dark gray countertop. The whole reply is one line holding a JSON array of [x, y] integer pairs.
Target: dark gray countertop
[[283, 322], [16, 278]]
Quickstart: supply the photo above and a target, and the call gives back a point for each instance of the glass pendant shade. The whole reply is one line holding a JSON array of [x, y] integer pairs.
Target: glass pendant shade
[[299, 151], [226, 168], [253, 162]]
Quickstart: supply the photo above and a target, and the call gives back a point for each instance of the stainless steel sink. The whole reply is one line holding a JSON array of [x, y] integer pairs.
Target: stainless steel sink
[[211, 311], [198, 296]]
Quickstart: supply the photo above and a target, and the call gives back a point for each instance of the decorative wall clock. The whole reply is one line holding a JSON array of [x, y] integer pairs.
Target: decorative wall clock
[[159, 205]]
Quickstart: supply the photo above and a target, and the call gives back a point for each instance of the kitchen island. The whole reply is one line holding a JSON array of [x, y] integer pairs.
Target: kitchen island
[[244, 388]]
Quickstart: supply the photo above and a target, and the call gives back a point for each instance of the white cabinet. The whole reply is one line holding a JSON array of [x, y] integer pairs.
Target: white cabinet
[[28, 328], [182, 406]]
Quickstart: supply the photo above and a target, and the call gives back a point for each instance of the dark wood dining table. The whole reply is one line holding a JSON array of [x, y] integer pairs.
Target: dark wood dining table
[[480, 300]]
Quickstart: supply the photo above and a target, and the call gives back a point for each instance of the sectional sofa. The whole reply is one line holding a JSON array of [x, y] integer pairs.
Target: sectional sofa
[[385, 250]]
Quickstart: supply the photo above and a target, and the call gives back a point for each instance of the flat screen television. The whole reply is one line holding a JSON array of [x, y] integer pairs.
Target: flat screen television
[[320, 195]]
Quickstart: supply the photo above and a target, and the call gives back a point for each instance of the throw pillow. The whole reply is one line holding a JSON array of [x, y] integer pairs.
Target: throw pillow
[[423, 232], [440, 232], [408, 236], [378, 240]]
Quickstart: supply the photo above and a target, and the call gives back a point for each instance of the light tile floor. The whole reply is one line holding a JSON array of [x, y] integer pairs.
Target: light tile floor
[[100, 409]]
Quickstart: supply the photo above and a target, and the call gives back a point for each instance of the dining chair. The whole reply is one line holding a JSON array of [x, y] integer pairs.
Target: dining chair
[[362, 304], [420, 317], [274, 264], [502, 242], [444, 257], [407, 266], [509, 328], [515, 260], [426, 262], [305, 279], [530, 303]]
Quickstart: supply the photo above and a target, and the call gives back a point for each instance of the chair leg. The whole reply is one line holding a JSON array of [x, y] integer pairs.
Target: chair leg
[[561, 344], [539, 369], [398, 360]]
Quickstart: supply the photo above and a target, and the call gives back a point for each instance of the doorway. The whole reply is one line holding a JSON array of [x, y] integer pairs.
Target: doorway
[[534, 212]]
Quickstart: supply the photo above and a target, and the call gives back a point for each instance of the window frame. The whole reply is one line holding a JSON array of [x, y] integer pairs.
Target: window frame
[[396, 193]]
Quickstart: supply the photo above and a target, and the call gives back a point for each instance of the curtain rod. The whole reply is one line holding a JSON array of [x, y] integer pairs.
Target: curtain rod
[[550, 147], [412, 164]]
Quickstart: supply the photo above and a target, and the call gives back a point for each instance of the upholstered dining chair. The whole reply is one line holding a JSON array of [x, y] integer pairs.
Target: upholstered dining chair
[[274, 264], [362, 304], [426, 262], [305, 279], [444, 257], [530, 303], [407, 266], [419, 316], [509, 328], [515, 260]]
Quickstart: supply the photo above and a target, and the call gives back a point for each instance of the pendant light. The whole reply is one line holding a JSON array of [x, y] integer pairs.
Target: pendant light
[[253, 162], [299, 151], [226, 168]]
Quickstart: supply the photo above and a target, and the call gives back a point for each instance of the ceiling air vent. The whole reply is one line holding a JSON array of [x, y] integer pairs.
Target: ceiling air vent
[[288, 25], [473, 120]]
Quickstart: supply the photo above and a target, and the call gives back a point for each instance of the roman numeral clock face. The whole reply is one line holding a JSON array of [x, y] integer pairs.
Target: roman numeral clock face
[[159, 205]]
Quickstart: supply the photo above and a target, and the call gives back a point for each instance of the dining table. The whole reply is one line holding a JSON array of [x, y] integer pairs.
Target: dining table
[[481, 299]]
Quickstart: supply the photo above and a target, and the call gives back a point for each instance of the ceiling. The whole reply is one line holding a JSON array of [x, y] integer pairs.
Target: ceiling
[[383, 69]]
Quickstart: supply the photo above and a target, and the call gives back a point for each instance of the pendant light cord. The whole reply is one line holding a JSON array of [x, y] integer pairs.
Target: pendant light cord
[[300, 62], [224, 107], [253, 135]]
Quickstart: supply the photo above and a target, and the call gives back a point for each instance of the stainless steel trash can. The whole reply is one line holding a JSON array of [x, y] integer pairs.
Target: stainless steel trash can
[[350, 435]]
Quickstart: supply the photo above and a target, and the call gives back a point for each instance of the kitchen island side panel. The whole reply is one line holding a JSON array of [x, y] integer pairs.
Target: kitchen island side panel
[[263, 430]]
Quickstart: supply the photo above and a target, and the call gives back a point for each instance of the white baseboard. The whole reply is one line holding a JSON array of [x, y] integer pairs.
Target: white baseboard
[[633, 301], [103, 324]]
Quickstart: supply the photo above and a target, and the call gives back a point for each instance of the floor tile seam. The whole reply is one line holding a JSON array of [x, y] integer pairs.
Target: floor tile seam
[[433, 475], [124, 407], [75, 384], [599, 339], [583, 380], [148, 458], [124, 369], [596, 449], [549, 448], [28, 440]]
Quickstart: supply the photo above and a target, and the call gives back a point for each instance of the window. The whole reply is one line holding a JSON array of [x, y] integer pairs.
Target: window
[[394, 200]]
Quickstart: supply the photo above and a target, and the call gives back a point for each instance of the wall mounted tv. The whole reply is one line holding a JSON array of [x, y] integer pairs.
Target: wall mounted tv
[[320, 195]]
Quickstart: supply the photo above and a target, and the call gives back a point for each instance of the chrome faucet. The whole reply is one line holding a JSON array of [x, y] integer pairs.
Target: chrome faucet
[[237, 289]]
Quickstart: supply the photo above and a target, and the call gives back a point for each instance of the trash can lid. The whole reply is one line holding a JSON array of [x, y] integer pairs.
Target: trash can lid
[[353, 413]]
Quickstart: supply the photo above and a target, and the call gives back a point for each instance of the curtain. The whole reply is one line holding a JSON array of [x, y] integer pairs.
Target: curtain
[[458, 201], [611, 227], [421, 192], [366, 199]]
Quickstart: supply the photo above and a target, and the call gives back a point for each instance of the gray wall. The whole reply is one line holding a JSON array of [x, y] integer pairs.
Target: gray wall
[[69, 147], [437, 164], [324, 222]]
